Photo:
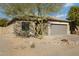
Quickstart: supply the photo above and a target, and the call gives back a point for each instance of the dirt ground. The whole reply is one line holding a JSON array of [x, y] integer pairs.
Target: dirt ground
[[63, 45]]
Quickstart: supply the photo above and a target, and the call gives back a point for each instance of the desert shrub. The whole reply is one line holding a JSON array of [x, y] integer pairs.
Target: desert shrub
[[32, 45], [3, 22]]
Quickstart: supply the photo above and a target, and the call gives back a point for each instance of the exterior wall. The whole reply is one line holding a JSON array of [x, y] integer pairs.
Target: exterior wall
[[18, 28], [46, 28], [7, 31], [61, 23]]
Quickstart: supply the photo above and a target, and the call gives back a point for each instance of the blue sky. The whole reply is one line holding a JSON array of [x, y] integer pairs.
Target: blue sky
[[62, 14]]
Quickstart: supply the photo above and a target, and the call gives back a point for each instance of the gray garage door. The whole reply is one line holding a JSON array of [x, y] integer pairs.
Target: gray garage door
[[58, 29]]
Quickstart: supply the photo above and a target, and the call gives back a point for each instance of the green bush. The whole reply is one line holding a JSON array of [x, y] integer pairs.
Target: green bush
[[3, 22], [73, 14]]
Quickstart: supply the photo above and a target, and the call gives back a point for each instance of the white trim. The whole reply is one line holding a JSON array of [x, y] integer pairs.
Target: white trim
[[49, 23], [58, 23], [49, 30], [68, 29]]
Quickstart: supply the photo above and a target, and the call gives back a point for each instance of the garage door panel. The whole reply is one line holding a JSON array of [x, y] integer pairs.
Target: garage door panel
[[58, 29]]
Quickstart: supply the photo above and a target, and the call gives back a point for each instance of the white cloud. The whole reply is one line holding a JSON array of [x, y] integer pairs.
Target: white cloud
[[68, 4], [61, 15]]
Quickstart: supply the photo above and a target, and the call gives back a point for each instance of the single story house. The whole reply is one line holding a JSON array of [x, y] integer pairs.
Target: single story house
[[51, 26]]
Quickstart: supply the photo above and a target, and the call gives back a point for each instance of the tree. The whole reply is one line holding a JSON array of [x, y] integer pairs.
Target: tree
[[36, 9], [40, 9], [74, 14], [13, 10]]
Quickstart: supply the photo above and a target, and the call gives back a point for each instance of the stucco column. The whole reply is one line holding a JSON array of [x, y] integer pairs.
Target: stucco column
[[68, 29], [49, 30]]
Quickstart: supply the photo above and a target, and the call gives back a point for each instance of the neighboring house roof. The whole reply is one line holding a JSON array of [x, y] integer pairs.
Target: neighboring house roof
[[34, 18], [52, 18]]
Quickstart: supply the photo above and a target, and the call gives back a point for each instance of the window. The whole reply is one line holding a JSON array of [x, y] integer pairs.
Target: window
[[25, 26]]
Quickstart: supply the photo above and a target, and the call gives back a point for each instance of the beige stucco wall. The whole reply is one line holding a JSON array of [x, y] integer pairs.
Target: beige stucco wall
[[10, 30], [7, 31], [18, 28]]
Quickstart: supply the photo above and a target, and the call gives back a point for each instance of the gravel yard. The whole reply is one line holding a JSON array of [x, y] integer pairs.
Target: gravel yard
[[48, 46]]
